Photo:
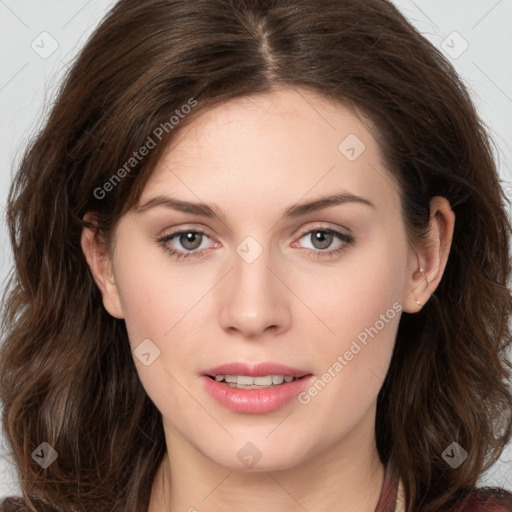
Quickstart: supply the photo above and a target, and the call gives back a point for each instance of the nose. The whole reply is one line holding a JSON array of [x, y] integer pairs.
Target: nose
[[254, 300]]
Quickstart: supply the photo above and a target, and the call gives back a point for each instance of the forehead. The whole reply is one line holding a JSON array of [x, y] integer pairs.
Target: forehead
[[275, 147]]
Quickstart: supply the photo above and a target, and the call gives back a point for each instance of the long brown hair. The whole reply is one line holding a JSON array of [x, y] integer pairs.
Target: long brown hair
[[67, 373]]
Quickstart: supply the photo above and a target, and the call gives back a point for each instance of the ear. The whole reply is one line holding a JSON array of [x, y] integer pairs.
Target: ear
[[100, 264], [427, 261]]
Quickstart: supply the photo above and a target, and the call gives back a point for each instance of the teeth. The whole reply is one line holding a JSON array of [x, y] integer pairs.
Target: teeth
[[246, 382]]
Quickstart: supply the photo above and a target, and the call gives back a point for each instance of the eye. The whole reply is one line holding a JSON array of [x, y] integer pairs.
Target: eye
[[190, 240], [188, 243], [322, 238]]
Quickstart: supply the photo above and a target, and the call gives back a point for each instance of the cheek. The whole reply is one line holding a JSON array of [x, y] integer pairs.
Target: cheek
[[157, 305], [363, 309], [155, 293], [354, 294], [160, 302]]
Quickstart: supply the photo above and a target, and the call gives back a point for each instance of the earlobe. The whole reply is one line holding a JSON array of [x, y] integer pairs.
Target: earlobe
[[429, 260], [100, 265]]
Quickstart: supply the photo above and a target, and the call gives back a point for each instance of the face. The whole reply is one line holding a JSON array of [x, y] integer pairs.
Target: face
[[262, 283]]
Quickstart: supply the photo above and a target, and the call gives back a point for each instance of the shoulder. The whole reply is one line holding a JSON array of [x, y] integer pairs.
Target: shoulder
[[486, 499], [13, 504]]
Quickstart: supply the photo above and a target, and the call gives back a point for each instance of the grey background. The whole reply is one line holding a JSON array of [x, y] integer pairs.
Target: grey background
[[476, 34]]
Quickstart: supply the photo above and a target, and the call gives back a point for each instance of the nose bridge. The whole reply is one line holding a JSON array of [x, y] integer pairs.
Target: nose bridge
[[253, 300]]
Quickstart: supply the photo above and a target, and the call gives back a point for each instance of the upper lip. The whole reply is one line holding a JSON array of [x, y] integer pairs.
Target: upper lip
[[255, 370]]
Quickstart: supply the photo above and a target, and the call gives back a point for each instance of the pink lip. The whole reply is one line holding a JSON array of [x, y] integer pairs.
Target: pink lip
[[255, 370], [255, 401]]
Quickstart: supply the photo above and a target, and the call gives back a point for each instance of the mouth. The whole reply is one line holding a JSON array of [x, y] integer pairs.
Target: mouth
[[255, 388]]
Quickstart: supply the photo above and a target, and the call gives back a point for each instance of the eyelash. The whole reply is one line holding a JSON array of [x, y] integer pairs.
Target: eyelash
[[347, 239]]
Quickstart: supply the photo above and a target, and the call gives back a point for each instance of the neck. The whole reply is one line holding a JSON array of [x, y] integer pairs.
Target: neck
[[347, 476]]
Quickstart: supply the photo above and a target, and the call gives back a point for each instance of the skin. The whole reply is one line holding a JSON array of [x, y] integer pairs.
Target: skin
[[253, 158]]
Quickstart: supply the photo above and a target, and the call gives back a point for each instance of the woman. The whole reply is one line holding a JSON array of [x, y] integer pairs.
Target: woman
[[261, 261]]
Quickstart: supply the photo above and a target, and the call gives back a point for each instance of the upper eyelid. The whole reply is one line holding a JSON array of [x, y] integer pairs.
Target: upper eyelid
[[207, 232], [317, 226]]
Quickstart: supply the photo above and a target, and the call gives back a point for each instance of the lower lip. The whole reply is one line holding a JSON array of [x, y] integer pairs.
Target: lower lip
[[256, 401]]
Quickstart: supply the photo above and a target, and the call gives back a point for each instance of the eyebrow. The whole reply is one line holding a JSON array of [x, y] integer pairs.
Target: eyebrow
[[213, 212]]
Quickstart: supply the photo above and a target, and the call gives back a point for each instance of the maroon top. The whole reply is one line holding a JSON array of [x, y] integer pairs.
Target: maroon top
[[389, 492], [480, 500]]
